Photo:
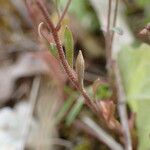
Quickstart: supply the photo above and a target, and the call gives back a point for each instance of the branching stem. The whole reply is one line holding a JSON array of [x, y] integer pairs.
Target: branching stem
[[69, 71], [63, 14]]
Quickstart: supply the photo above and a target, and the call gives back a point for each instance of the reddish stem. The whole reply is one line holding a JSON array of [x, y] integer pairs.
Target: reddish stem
[[69, 71]]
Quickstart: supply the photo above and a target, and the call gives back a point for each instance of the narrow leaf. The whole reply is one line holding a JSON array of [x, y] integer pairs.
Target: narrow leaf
[[69, 46], [75, 111], [65, 108]]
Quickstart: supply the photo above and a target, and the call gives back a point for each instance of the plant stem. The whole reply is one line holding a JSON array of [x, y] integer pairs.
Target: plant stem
[[63, 60], [109, 15], [69, 71], [108, 36], [115, 19], [57, 9], [121, 95], [63, 14], [122, 108]]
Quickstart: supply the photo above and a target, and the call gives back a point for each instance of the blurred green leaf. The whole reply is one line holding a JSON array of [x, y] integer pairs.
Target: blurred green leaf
[[84, 145], [65, 108], [75, 111], [143, 2], [134, 64], [70, 110], [53, 49], [103, 92], [84, 12], [69, 46]]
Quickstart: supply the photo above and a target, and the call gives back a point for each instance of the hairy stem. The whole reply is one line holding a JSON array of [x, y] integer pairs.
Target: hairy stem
[[69, 71]]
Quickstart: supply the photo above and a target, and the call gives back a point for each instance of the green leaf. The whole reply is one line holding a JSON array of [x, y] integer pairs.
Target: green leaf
[[69, 46], [65, 108], [134, 64], [103, 92], [143, 2], [75, 111], [53, 49]]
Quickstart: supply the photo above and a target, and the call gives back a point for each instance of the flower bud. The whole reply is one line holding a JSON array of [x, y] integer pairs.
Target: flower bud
[[80, 67]]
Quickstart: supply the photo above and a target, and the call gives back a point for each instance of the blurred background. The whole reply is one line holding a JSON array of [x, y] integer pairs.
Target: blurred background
[[33, 88]]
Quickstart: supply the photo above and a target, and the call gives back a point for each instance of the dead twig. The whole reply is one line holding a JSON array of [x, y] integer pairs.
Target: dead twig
[[102, 135], [33, 98]]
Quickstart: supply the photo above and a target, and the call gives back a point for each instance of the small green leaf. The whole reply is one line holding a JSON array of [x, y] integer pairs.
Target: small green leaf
[[103, 92], [69, 46], [75, 111], [53, 49]]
